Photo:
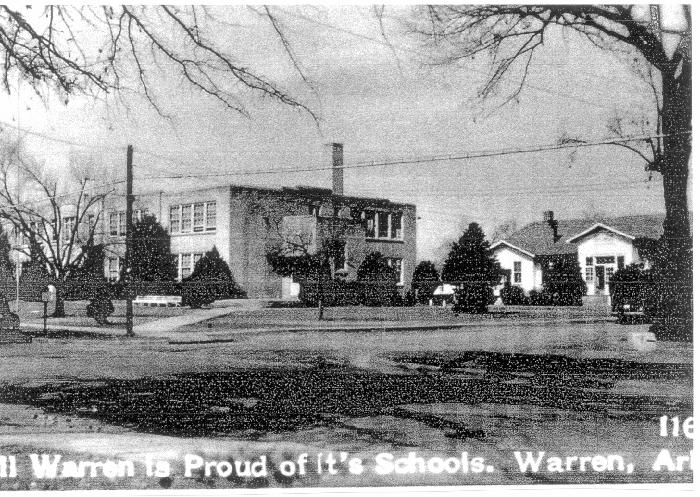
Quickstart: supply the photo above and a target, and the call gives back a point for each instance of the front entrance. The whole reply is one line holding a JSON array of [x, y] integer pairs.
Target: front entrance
[[600, 280]]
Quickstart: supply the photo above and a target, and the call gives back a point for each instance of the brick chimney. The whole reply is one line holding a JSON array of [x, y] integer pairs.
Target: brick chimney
[[337, 168], [548, 217]]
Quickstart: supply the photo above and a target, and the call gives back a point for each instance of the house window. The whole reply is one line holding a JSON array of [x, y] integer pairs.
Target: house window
[[211, 216], [608, 259], [397, 226], [517, 272], [609, 270], [68, 227], [198, 222], [186, 225], [113, 268], [620, 262], [382, 225], [589, 274], [396, 264], [589, 261]]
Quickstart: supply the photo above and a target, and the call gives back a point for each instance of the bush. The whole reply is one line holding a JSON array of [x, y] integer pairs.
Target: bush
[[211, 280], [100, 306], [377, 281], [563, 282], [512, 295], [539, 297], [473, 298], [634, 287]]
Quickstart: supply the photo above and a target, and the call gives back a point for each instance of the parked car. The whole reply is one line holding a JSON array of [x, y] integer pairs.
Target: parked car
[[9, 324]]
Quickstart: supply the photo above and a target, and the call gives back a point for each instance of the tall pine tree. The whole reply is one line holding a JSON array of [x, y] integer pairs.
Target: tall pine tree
[[472, 269], [151, 259]]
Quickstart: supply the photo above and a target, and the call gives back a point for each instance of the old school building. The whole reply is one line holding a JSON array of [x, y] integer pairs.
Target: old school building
[[244, 223]]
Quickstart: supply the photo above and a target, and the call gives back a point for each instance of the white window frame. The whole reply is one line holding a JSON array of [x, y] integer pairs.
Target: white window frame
[[518, 274], [208, 222]]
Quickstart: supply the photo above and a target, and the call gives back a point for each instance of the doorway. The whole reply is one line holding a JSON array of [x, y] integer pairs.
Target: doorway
[[600, 280]]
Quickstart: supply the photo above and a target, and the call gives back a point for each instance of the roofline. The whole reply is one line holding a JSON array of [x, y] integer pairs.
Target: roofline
[[595, 227], [503, 242], [317, 193]]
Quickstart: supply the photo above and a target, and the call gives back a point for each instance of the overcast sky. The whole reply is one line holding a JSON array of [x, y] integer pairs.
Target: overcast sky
[[382, 103]]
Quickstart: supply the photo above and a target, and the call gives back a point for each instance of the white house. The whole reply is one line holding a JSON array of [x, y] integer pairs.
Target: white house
[[601, 247]]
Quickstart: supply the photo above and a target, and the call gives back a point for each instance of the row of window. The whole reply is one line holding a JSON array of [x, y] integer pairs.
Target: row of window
[[67, 227], [382, 224], [184, 262], [607, 259], [610, 263], [117, 221], [193, 218]]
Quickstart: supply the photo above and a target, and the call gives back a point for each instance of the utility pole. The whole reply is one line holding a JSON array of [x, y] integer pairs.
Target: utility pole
[[129, 241]]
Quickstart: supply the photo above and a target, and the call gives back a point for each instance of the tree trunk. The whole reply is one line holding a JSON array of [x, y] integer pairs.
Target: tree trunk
[[674, 264], [59, 308]]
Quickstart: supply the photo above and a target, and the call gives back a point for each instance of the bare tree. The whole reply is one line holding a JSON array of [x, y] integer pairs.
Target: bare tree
[[510, 35], [504, 230], [102, 49], [54, 216]]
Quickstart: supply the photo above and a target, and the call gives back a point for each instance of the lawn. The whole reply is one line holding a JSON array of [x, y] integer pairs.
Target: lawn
[[32, 312], [284, 318]]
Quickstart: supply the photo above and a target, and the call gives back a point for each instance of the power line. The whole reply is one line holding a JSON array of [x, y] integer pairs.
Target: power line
[[418, 160]]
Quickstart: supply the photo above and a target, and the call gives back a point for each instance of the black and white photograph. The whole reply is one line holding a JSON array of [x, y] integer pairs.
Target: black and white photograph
[[250, 247]]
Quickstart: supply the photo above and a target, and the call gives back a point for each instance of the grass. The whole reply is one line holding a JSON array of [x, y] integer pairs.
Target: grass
[[359, 315]]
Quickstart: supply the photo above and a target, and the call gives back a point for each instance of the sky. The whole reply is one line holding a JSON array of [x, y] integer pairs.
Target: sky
[[383, 102]]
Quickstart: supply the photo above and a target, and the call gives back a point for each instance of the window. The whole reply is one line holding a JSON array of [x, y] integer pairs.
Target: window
[[620, 262], [68, 227], [174, 219], [605, 260], [211, 216], [113, 268], [369, 224], [122, 223], [114, 223], [186, 266], [198, 223], [517, 272], [609, 270], [382, 225], [197, 257], [196, 218], [388, 225], [396, 264], [138, 214], [397, 226], [186, 225], [589, 274], [589, 261]]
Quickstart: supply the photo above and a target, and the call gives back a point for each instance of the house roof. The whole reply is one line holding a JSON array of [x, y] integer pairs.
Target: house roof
[[537, 238]]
